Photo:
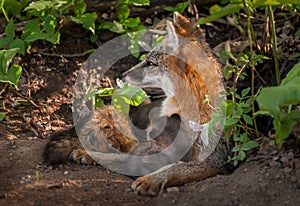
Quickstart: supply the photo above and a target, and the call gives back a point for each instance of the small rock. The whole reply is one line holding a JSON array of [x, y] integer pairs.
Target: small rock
[[172, 189], [287, 170], [293, 179], [285, 161], [148, 21], [174, 201], [66, 172], [290, 155]]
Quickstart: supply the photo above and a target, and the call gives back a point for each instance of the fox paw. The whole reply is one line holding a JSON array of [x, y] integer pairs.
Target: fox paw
[[81, 156], [148, 185]]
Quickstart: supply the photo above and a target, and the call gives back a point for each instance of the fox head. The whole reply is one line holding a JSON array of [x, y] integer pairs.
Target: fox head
[[184, 60]]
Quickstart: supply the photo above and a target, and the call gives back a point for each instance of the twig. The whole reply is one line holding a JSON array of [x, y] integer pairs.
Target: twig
[[24, 97], [249, 29], [68, 55], [3, 90], [31, 128], [274, 41]]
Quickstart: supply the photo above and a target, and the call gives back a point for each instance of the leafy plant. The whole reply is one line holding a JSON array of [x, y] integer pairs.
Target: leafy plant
[[180, 7], [12, 8], [126, 24], [9, 74], [10, 39], [122, 97], [277, 102], [235, 6], [238, 123], [48, 13]]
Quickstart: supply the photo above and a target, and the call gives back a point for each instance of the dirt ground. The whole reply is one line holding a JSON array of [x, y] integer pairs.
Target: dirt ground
[[267, 177]]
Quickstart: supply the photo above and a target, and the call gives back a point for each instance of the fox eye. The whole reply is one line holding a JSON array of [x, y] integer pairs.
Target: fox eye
[[107, 127]]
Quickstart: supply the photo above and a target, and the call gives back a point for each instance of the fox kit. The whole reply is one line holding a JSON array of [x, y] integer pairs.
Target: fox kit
[[191, 73]]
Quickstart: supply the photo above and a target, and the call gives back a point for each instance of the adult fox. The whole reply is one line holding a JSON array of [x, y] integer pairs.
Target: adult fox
[[191, 69]]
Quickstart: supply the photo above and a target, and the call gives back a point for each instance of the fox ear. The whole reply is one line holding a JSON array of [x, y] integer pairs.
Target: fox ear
[[172, 38], [182, 25]]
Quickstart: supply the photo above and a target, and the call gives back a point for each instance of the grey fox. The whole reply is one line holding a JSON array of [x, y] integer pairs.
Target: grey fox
[[198, 71]]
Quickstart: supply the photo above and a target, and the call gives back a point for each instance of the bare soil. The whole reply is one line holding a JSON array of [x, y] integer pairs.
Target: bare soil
[[267, 177]]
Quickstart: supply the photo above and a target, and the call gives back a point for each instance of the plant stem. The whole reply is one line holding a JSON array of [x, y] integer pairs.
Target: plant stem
[[4, 13], [275, 54], [249, 25]]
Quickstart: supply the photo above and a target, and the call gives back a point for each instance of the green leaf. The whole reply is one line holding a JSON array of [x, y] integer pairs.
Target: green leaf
[[245, 91], [87, 20], [123, 13], [120, 104], [12, 76], [138, 2], [241, 155], [12, 7], [106, 25], [236, 148], [283, 129], [5, 58], [248, 119], [39, 5], [24, 102], [99, 102], [258, 3], [103, 92], [128, 95], [292, 115], [2, 115], [286, 93], [180, 7], [131, 95], [36, 36], [91, 93], [214, 9], [293, 73], [229, 9], [249, 145], [132, 22], [230, 121], [20, 44], [266, 113], [10, 30], [4, 42], [244, 137], [30, 28], [53, 38], [79, 8], [118, 27], [50, 24]]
